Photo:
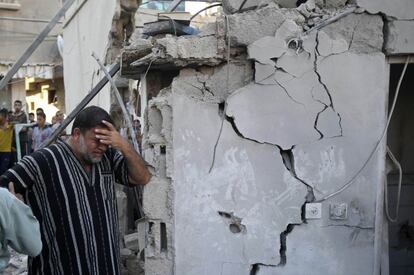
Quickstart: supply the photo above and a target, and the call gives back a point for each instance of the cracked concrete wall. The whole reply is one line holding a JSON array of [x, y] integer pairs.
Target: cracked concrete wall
[[324, 106], [255, 143]]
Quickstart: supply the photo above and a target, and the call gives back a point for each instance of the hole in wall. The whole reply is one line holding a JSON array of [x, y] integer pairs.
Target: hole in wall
[[163, 237], [150, 226], [163, 150], [235, 228]]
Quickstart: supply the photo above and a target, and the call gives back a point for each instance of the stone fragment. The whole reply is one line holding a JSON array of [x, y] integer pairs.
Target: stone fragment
[[232, 6], [329, 123], [400, 9], [131, 241], [328, 46], [266, 48], [208, 85], [363, 32], [247, 27], [267, 114], [400, 38], [121, 200], [263, 72]]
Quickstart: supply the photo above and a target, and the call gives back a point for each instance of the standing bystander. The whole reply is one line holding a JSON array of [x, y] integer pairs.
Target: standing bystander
[[18, 117], [6, 135], [41, 132], [72, 194]]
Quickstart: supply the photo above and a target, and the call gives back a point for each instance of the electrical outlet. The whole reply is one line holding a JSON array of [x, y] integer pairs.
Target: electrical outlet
[[313, 211], [338, 211]]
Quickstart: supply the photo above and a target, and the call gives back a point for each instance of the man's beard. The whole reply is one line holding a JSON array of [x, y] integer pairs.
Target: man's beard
[[87, 157]]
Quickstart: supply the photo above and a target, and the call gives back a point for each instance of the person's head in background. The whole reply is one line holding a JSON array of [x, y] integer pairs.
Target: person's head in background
[[17, 106], [39, 111], [41, 120], [54, 120], [31, 117], [59, 116], [4, 114]]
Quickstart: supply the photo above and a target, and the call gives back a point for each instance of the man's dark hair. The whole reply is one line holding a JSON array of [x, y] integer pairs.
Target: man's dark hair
[[4, 112], [90, 117], [17, 101], [31, 114], [39, 110], [41, 115]]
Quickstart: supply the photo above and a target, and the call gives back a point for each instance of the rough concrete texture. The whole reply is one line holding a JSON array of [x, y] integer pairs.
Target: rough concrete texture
[[210, 84], [399, 9], [131, 242], [233, 6], [355, 257], [400, 38], [248, 179], [247, 27], [235, 162], [324, 166], [158, 199]]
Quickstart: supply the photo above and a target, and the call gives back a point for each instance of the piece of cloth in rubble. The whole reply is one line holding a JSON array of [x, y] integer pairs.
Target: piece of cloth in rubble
[[19, 229], [77, 211]]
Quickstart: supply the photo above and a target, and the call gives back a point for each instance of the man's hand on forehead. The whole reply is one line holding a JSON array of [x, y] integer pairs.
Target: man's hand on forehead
[[110, 136]]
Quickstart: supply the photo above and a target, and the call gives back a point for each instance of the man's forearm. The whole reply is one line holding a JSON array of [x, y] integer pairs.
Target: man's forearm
[[137, 171]]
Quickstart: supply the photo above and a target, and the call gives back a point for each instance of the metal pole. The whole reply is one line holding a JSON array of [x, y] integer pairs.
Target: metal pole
[[29, 51], [120, 102], [112, 71]]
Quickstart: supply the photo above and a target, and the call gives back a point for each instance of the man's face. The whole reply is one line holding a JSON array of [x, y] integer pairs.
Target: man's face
[[59, 116], [17, 107], [31, 117], [90, 149], [41, 121]]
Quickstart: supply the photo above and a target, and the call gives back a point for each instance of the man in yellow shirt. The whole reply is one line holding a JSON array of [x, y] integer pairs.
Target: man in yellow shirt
[[6, 135]]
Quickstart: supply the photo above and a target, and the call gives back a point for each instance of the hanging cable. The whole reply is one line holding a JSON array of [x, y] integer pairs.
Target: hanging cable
[[351, 181], [398, 165]]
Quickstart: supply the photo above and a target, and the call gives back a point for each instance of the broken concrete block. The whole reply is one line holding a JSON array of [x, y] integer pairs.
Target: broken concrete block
[[400, 38], [121, 200], [357, 251], [328, 46], [247, 27], [157, 208], [266, 48], [399, 9], [263, 72], [329, 123], [233, 6], [248, 179], [131, 242], [363, 32], [279, 120], [211, 85]]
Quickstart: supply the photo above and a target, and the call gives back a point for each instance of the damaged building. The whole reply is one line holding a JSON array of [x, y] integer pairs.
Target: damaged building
[[266, 132]]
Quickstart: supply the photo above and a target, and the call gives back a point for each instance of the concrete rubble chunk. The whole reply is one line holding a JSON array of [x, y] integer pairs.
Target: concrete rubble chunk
[[233, 6], [329, 123], [247, 27], [248, 177], [363, 32], [266, 48], [279, 120], [263, 72], [399, 9], [212, 86], [131, 241], [328, 46], [400, 39]]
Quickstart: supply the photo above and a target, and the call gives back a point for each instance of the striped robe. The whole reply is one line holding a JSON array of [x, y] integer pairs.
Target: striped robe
[[77, 213]]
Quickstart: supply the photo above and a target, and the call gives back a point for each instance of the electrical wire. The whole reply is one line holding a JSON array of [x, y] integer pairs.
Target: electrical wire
[[351, 181], [206, 8], [227, 88], [398, 165]]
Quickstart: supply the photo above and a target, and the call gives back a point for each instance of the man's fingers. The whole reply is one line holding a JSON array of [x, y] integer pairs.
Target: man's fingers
[[11, 188], [109, 125]]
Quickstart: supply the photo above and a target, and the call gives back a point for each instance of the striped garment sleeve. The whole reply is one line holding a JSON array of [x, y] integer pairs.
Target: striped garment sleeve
[[120, 168], [24, 173]]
